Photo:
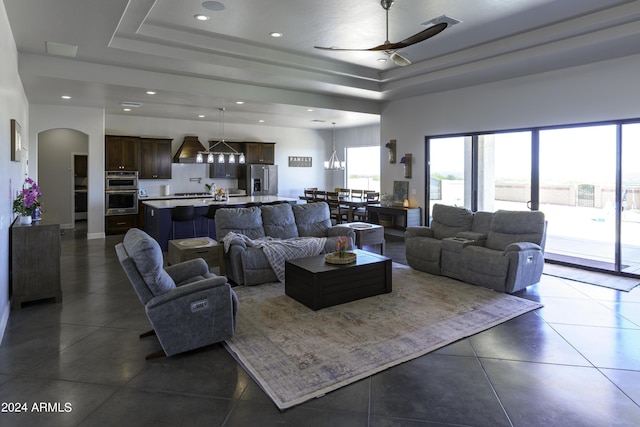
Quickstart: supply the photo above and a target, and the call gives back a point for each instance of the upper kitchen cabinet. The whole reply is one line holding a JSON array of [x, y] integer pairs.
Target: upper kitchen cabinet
[[226, 169], [155, 158], [260, 152], [121, 153]]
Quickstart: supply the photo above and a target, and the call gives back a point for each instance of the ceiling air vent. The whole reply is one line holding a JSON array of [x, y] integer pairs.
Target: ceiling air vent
[[128, 104]]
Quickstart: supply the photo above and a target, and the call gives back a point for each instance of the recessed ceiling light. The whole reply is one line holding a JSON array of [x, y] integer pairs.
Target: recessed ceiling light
[[201, 116], [213, 5], [310, 109], [276, 34], [126, 109], [201, 17], [151, 92], [239, 102], [65, 97], [261, 121], [382, 59]]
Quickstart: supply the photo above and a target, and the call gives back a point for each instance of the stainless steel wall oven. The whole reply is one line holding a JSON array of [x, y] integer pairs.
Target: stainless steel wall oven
[[121, 192]]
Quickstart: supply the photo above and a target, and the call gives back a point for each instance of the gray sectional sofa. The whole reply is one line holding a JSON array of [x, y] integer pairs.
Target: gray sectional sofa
[[249, 265], [502, 250]]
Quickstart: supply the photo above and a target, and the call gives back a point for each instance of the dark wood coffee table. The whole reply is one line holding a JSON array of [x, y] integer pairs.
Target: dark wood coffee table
[[317, 284]]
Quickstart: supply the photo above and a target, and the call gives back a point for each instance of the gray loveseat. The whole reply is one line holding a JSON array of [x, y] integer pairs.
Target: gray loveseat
[[502, 250], [249, 265]]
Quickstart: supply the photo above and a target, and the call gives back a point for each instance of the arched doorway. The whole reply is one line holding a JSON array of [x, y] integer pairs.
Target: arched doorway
[[58, 154]]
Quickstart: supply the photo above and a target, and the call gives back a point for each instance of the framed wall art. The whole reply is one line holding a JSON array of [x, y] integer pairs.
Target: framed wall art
[[300, 161], [16, 141]]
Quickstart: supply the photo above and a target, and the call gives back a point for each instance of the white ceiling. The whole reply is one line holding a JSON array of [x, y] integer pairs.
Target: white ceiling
[[196, 67]]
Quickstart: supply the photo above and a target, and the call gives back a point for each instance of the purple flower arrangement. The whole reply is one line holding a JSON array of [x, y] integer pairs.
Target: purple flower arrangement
[[27, 200], [403, 160], [341, 245]]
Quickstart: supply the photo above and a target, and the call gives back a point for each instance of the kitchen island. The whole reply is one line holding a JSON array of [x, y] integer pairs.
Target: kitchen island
[[157, 215]]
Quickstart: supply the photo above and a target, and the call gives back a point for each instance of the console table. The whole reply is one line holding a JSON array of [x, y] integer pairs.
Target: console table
[[35, 261], [410, 217]]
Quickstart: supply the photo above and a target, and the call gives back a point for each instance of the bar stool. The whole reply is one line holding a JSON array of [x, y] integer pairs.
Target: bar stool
[[183, 214], [211, 214]]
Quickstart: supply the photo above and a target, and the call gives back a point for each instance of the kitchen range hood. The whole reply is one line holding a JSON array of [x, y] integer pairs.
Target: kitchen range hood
[[188, 150]]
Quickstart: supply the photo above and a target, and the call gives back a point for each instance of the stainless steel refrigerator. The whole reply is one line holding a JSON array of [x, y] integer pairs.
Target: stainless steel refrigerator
[[261, 180]]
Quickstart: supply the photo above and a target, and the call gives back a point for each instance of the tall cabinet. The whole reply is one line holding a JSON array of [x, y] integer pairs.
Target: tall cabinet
[[35, 261]]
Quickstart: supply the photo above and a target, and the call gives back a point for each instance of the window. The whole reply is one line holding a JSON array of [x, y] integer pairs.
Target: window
[[363, 168]]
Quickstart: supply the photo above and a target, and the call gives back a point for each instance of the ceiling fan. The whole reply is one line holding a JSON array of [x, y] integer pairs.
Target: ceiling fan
[[391, 48]]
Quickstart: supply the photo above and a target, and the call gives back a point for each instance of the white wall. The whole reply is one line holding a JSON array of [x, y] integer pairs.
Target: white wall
[[13, 105], [91, 122], [595, 92]]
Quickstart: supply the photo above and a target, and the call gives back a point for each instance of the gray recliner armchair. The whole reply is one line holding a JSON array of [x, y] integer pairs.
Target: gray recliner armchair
[[188, 306]]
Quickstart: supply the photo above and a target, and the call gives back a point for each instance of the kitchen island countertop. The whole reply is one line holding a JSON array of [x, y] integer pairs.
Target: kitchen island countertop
[[203, 201]]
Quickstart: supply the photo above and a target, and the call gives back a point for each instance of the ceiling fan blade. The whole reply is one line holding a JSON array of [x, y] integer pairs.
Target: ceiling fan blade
[[337, 48], [416, 38]]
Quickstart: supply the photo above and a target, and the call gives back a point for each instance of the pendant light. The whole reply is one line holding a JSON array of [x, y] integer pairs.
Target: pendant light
[[218, 156], [334, 163], [221, 156]]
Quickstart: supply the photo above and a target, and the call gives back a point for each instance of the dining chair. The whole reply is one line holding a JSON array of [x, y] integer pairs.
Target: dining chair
[[319, 196], [308, 194], [362, 214], [336, 211], [343, 192], [359, 194]]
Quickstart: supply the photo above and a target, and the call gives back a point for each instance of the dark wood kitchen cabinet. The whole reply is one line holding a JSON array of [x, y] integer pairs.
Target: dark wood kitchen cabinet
[[119, 224], [260, 152], [155, 158], [35, 261], [226, 169], [121, 153]]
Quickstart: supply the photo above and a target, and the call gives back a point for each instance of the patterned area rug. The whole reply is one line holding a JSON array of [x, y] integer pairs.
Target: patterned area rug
[[296, 354], [593, 278]]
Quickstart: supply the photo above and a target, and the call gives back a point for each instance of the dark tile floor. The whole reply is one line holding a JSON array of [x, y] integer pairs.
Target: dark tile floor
[[575, 362]]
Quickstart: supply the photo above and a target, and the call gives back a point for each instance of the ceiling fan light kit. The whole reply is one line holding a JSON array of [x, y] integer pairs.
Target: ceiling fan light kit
[[438, 25]]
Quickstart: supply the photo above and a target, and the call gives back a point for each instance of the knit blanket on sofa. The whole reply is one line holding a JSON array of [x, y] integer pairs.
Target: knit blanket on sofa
[[277, 251]]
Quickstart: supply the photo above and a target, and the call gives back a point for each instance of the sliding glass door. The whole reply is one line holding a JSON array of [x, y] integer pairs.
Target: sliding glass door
[[630, 196], [578, 194], [448, 171], [504, 171]]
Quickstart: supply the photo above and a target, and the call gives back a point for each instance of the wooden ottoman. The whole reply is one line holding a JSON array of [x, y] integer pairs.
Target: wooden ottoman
[[316, 284]]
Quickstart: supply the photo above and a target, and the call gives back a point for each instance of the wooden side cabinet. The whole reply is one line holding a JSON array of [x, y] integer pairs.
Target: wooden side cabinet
[[35, 262]]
